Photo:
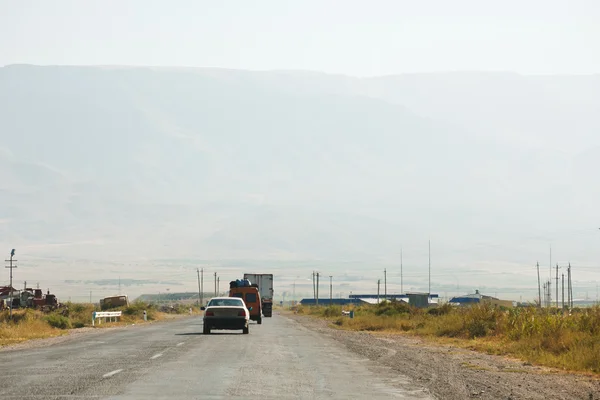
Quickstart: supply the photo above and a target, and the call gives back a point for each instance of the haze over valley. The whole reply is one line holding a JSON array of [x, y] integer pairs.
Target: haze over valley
[[147, 173]]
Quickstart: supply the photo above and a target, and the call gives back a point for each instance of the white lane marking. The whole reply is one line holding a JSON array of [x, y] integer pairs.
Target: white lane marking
[[116, 371], [180, 344], [154, 357]]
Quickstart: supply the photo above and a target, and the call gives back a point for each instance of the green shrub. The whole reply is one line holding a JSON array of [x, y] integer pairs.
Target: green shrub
[[78, 324], [58, 321], [332, 311], [441, 310], [392, 308]]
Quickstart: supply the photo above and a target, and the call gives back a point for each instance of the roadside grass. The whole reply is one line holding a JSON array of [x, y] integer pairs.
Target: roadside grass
[[549, 337], [25, 325], [29, 324]]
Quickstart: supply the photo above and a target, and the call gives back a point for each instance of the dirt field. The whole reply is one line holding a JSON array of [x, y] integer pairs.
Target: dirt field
[[452, 373]]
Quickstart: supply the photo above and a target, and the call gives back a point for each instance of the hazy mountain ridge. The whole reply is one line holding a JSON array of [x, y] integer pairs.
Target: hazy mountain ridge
[[283, 164]]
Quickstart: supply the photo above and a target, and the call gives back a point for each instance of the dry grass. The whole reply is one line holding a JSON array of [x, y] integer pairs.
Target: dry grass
[[541, 336], [25, 325]]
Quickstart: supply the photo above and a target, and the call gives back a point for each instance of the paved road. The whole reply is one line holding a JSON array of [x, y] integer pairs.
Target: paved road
[[280, 359]]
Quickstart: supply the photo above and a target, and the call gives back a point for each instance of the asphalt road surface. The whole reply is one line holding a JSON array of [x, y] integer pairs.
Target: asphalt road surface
[[279, 359]]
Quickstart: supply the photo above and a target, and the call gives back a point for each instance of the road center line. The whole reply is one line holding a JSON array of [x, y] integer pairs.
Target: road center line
[[116, 371], [180, 344], [154, 357]]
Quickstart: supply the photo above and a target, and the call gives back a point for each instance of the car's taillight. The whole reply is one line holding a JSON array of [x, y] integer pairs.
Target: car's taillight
[[209, 314], [242, 313]]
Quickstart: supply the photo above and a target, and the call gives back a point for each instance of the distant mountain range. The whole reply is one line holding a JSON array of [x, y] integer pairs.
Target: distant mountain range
[[155, 162]]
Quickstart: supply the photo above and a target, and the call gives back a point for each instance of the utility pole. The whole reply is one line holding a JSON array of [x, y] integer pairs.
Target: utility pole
[[317, 299], [199, 289], [563, 291], [378, 284], [401, 281], [570, 290], [550, 260], [569, 287], [385, 284], [314, 287], [218, 285], [11, 266], [429, 267], [545, 295], [549, 293], [215, 284], [330, 289], [556, 285], [539, 288]]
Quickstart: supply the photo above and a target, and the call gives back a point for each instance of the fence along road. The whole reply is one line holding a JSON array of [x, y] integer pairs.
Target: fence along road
[[172, 360], [98, 315]]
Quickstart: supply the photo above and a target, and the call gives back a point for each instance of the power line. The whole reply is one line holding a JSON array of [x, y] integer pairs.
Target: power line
[[385, 284], [563, 291], [430, 266], [401, 277], [199, 288], [539, 287], [317, 299], [557, 285]]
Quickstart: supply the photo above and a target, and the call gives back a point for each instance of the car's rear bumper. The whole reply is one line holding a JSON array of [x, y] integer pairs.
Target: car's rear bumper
[[225, 322]]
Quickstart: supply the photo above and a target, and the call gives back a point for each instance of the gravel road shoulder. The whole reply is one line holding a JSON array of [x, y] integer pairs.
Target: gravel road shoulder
[[454, 373]]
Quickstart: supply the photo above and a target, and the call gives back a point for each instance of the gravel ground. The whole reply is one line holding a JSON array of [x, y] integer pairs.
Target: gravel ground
[[453, 373]]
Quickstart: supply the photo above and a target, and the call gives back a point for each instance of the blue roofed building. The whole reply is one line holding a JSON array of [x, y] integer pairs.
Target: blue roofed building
[[333, 302]]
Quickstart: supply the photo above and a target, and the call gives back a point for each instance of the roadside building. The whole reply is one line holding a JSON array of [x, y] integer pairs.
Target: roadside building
[[478, 298], [326, 302]]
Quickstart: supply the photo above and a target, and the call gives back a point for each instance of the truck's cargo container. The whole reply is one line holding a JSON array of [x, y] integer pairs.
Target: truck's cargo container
[[265, 288]]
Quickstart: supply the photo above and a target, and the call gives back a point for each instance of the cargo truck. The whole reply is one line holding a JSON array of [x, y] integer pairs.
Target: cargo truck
[[265, 288]]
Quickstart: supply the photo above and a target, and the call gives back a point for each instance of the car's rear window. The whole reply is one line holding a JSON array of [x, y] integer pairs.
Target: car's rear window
[[225, 303], [250, 297]]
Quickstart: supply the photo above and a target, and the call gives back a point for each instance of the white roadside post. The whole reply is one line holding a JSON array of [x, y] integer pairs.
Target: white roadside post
[[145, 316]]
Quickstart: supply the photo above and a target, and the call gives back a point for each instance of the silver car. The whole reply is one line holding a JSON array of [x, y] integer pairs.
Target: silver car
[[226, 313]]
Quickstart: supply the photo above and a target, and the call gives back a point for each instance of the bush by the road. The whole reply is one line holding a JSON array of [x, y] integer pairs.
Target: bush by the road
[[58, 321], [567, 340]]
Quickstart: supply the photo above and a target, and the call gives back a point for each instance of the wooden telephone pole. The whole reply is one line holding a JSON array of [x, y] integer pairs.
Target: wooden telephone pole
[[11, 266]]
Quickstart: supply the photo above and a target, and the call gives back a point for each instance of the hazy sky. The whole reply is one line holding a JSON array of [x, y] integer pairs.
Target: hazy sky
[[346, 36]]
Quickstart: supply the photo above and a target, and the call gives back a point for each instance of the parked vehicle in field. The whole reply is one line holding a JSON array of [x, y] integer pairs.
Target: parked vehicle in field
[[264, 283], [226, 313], [32, 298], [251, 297], [114, 301]]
